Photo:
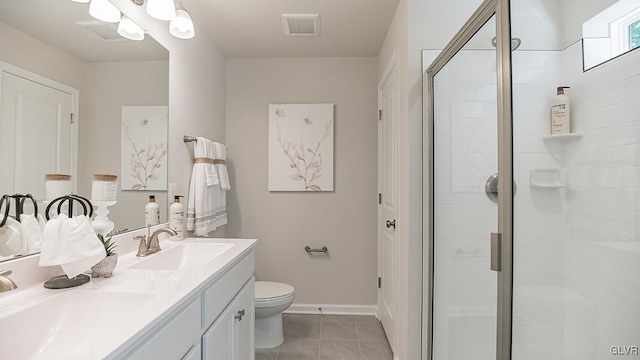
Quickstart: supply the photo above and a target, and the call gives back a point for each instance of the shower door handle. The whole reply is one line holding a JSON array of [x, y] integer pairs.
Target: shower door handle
[[496, 251]]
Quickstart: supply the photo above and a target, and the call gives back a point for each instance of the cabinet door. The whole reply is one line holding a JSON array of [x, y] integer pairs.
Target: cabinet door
[[217, 342], [194, 354], [231, 335], [245, 324]]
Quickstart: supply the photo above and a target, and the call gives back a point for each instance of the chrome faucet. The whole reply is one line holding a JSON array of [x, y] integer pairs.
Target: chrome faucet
[[6, 284], [150, 244]]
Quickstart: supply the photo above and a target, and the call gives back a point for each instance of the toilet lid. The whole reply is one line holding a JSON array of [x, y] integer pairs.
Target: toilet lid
[[270, 290]]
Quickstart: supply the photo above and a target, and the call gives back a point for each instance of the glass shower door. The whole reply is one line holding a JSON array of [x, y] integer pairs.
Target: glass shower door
[[464, 159]]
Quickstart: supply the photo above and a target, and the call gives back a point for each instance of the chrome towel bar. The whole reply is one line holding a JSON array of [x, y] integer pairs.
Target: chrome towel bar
[[308, 249]]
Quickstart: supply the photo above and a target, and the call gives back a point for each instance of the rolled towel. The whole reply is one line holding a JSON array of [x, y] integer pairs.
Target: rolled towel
[[70, 243], [223, 174], [32, 230], [11, 238]]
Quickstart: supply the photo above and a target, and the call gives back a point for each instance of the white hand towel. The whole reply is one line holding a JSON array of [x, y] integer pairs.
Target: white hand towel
[[223, 174], [11, 238], [71, 243], [32, 232], [206, 206], [205, 148]]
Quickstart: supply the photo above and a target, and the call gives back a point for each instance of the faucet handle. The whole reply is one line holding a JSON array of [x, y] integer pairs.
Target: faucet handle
[[6, 283], [140, 237], [6, 272]]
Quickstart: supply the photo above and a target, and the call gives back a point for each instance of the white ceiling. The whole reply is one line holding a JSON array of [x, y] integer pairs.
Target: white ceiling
[[239, 28], [253, 28]]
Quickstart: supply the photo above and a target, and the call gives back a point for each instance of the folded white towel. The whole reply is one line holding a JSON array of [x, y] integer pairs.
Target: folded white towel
[[206, 206], [11, 238], [32, 229], [223, 174], [71, 243], [205, 148]]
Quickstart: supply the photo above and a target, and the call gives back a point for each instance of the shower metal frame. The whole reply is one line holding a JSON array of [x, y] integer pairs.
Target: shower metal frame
[[501, 10]]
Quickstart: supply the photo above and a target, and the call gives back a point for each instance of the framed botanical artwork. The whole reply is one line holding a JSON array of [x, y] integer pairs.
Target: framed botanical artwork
[[301, 147], [143, 148]]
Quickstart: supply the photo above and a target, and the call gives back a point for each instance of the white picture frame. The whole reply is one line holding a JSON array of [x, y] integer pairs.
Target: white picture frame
[[143, 147], [301, 147]]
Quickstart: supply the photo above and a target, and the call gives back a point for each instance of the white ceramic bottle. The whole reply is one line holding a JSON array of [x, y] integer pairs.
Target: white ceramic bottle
[[560, 113], [152, 212], [176, 218]]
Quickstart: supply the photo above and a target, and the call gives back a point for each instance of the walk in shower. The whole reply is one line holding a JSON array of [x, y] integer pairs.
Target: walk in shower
[[552, 271]]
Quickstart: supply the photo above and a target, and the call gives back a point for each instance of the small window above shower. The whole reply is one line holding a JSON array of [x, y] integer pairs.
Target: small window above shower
[[612, 32]]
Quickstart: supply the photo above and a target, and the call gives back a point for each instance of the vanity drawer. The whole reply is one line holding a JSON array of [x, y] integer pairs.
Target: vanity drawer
[[216, 298]]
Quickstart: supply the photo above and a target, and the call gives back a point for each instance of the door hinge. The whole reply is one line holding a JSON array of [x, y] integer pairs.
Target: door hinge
[[380, 198], [380, 114], [72, 119], [379, 283]]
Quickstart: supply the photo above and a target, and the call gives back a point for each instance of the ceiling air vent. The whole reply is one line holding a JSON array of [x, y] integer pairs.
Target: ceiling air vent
[[106, 31], [301, 24]]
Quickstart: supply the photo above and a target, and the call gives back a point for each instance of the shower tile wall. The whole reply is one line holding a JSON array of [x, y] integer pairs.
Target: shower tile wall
[[466, 130], [539, 213], [603, 208], [577, 251]]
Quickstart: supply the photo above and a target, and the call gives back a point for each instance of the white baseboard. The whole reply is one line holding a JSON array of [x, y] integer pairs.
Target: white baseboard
[[331, 309]]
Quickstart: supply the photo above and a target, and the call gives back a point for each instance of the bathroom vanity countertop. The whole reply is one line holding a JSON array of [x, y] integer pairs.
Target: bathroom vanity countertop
[[104, 317]]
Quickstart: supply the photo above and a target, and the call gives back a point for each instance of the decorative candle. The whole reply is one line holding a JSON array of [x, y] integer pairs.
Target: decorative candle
[[104, 187], [56, 185]]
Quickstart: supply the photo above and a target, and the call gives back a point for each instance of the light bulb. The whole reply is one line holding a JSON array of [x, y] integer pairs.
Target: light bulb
[[182, 26], [129, 29], [104, 10], [161, 9]]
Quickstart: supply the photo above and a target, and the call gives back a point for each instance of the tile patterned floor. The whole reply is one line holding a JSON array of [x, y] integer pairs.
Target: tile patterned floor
[[330, 337]]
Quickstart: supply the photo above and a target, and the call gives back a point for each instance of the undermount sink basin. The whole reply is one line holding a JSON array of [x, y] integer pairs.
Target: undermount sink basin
[[183, 256], [66, 324]]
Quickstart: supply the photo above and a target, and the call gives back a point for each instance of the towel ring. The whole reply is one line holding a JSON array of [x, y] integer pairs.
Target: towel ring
[[33, 201], [71, 197], [6, 209]]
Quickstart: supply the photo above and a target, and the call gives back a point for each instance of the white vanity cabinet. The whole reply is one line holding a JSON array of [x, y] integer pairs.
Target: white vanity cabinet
[[214, 323], [231, 335]]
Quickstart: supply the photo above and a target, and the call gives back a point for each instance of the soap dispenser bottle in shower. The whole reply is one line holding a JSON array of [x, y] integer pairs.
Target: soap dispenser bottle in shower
[[560, 113]]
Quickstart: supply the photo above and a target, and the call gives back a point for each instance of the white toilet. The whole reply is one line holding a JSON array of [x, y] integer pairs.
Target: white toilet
[[272, 298]]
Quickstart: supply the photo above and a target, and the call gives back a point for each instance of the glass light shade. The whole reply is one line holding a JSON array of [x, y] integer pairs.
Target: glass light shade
[[161, 9], [81, 1], [182, 26], [104, 10], [129, 29]]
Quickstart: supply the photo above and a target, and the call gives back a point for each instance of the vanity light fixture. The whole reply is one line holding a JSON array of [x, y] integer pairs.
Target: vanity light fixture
[[104, 10], [161, 9], [129, 29], [182, 26]]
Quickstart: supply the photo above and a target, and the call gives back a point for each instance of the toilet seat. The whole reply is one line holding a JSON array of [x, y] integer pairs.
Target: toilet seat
[[270, 292]]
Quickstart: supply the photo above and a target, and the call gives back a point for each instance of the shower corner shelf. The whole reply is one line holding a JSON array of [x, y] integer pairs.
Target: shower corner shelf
[[563, 138]]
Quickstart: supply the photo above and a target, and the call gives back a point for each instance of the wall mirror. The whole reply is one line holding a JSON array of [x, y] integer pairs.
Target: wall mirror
[[39, 37], [612, 32]]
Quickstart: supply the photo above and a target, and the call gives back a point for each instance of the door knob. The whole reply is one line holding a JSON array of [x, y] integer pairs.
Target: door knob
[[391, 223], [239, 315]]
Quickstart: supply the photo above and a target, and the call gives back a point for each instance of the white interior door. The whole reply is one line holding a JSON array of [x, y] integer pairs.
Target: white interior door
[[36, 135], [387, 177]]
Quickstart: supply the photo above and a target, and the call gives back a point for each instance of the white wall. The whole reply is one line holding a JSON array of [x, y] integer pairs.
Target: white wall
[[602, 244], [285, 222], [31, 54], [197, 93], [108, 87]]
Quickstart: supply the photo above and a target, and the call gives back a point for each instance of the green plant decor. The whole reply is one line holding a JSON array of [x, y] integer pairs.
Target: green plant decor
[[108, 245]]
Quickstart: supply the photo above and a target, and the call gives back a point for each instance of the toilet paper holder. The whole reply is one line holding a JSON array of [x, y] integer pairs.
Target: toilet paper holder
[[308, 249]]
